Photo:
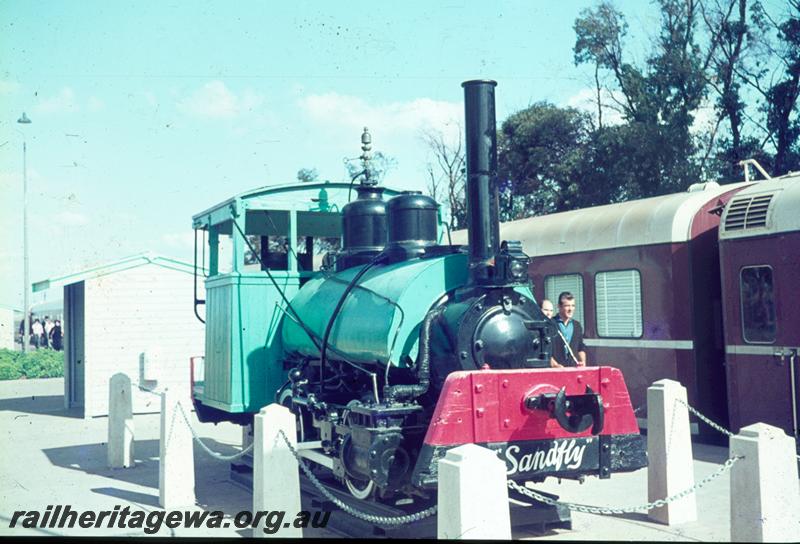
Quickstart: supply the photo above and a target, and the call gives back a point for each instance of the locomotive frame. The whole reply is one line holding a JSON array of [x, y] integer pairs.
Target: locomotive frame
[[401, 347]]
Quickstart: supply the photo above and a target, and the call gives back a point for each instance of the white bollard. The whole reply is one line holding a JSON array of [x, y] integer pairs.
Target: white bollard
[[276, 478], [473, 495], [765, 501], [670, 467], [120, 422], [176, 461]]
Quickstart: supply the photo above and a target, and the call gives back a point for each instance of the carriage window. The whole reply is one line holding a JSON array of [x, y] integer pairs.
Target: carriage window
[[758, 305], [618, 303], [555, 285]]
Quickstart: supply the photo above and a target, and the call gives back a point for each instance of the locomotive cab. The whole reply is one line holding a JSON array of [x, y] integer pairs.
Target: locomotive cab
[[258, 248]]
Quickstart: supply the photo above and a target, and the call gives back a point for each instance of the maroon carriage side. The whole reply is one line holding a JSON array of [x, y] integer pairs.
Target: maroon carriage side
[[760, 269]]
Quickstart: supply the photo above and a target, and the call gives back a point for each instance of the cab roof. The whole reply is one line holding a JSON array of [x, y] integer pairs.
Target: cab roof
[[286, 197]]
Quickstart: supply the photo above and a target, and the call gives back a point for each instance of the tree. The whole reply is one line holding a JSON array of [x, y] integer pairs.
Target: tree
[[540, 151], [657, 100], [447, 175], [599, 37], [781, 107], [377, 166], [730, 36], [306, 175]]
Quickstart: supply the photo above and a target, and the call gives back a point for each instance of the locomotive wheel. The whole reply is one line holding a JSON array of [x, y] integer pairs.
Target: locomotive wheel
[[359, 488], [285, 399]]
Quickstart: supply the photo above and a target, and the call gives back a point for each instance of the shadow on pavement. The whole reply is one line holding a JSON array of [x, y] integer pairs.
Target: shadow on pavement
[[91, 459], [7, 522], [52, 405], [633, 516], [709, 454], [129, 496]]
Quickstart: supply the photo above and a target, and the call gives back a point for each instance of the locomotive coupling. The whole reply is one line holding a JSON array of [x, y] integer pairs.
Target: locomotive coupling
[[575, 413]]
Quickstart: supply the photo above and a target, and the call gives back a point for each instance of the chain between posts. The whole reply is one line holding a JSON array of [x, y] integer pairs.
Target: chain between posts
[[379, 520], [530, 493], [628, 509], [704, 419], [195, 436], [399, 520], [210, 452], [713, 425]]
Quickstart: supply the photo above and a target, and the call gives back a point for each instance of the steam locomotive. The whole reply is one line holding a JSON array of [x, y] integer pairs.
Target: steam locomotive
[[401, 347]]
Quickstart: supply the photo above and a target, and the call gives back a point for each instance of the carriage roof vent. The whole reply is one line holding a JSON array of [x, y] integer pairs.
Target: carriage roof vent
[[748, 212]]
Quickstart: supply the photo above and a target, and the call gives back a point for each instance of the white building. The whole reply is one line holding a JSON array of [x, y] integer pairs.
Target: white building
[[114, 313], [8, 326]]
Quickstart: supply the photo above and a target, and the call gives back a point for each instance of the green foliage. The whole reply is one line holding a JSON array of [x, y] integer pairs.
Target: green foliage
[[42, 363], [779, 85], [721, 54], [8, 356], [307, 175], [9, 371], [659, 99], [377, 167], [540, 153]]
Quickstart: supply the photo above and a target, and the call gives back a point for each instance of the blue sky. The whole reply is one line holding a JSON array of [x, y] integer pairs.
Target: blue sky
[[145, 113]]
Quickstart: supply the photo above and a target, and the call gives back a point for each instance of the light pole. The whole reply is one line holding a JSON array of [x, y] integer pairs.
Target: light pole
[[26, 279]]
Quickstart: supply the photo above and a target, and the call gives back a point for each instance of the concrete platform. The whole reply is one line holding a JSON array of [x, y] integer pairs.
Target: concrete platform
[[51, 457]]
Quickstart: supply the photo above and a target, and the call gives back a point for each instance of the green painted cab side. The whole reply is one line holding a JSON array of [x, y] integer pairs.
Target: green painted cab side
[[245, 313], [381, 317], [243, 362]]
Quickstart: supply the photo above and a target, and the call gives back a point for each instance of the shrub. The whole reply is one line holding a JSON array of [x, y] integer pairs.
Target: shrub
[[8, 356], [9, 370], [42, 363]]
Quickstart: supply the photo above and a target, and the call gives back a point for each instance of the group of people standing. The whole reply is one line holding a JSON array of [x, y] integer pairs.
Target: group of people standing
[[570, 351], [45, 333]]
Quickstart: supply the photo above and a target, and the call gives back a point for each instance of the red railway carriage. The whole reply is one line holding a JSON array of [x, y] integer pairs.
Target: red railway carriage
[[646, 277], [760, 260]]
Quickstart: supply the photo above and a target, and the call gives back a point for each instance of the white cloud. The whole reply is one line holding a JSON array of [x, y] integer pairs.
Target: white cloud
[[179, 240], [586, 100], [8, 86], [215, 101], [94, 104], [410, 116], [150, 98], [71, 219], [64, 102]]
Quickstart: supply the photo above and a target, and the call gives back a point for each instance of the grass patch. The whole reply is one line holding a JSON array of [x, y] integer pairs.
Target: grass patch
[[42, 363]]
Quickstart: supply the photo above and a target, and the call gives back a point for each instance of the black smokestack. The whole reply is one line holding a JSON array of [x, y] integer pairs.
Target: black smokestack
[[482, 202]]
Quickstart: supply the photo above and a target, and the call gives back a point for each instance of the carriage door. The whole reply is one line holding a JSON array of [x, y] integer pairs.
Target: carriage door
[[768, 313], [787, 345]]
